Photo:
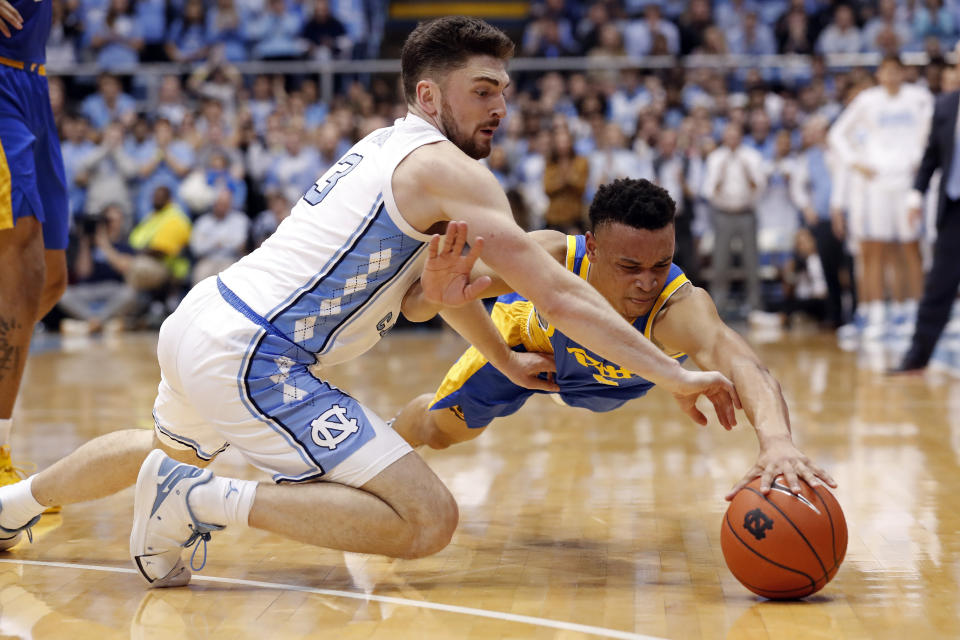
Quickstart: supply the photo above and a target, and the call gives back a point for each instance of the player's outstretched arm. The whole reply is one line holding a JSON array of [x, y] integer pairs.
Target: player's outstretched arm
[[446, 286], [441, 178], [689, 323]]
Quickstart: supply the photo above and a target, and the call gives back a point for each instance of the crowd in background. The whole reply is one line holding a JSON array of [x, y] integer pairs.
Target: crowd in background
[[167, 191]]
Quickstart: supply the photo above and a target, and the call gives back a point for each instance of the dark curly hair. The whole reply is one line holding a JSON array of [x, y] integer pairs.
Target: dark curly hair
[[636, 203], [445, 44]]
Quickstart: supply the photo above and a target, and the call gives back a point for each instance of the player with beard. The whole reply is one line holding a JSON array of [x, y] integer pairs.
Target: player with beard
[[243, 357]]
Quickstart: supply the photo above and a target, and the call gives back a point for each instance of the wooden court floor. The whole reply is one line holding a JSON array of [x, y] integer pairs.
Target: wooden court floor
[[573, 525]]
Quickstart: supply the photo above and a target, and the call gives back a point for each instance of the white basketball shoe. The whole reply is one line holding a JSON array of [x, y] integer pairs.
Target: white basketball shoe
[[163, 522], [10, 537]]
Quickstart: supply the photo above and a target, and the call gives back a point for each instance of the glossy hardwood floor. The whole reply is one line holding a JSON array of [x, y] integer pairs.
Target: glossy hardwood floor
[[572, 524]]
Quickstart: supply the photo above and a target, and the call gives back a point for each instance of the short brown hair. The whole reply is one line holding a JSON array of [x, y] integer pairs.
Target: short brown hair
[[445, 44]]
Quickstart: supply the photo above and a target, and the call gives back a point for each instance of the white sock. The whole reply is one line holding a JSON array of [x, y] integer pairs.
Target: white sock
[[5, 426], [18, 504], [910, 308], [875, 312], [224, 501]]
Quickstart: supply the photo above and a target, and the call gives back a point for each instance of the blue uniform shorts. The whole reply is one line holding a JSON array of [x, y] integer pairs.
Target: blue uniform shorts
[[32, 181]]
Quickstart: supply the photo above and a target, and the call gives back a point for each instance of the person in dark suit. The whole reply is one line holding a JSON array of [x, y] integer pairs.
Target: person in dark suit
[[940, 289]]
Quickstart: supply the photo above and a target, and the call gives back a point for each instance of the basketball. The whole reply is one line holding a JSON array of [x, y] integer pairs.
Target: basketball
[[783, 546]]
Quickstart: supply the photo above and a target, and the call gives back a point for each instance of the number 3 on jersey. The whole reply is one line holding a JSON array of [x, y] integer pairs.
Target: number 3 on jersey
[[346, 165]]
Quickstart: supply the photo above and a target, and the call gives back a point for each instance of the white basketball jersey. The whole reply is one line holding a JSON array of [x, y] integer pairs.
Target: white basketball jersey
[[333, 275]]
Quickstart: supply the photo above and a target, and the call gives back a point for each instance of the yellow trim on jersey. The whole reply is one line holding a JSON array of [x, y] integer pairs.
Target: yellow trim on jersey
[[571, 252], [668, 291], [6, 192], [517, 324]]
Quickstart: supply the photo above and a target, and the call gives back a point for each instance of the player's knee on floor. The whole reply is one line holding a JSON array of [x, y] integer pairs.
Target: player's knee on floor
[[432, 525]]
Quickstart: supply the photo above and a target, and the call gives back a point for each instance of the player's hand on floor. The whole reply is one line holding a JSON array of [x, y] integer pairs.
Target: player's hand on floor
[[9, 16], [780, 456], [524, 369], [717, 388], [446, 273]]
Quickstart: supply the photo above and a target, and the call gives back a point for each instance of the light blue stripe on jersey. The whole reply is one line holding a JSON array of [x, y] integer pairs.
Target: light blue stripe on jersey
[[322, 273], [368, 265]]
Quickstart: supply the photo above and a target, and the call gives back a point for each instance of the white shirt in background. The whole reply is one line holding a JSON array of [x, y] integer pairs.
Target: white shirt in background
[[728, 177]]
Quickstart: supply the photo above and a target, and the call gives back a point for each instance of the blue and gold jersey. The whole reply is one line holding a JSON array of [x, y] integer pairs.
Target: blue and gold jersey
[[30, 43], [481, 393]]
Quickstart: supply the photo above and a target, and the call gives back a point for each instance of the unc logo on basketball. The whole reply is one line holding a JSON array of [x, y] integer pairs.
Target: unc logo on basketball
[[757, 523], [323, 428]]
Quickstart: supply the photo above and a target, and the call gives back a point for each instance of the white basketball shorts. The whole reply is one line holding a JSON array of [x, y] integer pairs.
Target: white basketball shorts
[[228, 381], [878, 210]]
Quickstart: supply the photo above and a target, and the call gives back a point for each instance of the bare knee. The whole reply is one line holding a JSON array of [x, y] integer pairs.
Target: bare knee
[[433, 527]]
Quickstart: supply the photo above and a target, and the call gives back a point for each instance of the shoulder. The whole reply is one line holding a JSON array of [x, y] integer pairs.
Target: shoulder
[[554, 242], [440, 167], [688, 318]]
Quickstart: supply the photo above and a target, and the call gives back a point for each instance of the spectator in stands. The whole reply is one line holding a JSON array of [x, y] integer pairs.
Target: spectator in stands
[[777, 216], [936, 20], [219, 237], [170, 103], [714, 42], [75, 147], [217, 79], [805, 286], [886, 21], [330, 146], [108, 103], [811, 190], [761, 135], [564, 182], [611, 160], [297, 167], [670, 171], [589, 28], [151, 17], [224, 169], [547, 37], [117, 40], [187, 36], [278, 208], [530, 170], [638, 35], [275, 33], [693, 23], [66, 29], [735, 177], [262, 101], [752, 38], [628, 100], [793, 30], [158, 243], [842, 35], [98, 298], [326, 35], [225, 30], [105, 172], [729, 15], [168, 164]]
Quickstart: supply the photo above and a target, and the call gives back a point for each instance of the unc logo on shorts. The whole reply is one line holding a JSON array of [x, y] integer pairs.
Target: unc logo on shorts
[[323, 428]]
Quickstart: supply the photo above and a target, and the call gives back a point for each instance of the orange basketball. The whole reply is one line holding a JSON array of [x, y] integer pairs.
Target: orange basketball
[[784, 546]]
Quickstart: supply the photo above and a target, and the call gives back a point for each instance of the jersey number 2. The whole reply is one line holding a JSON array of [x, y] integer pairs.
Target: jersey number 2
[[315, 196]]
